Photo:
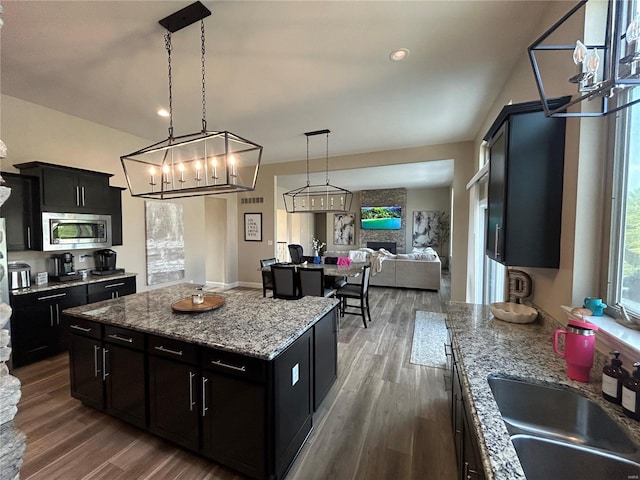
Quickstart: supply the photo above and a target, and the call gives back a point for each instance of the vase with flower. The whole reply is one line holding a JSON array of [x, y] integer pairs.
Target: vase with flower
[[317, 246]]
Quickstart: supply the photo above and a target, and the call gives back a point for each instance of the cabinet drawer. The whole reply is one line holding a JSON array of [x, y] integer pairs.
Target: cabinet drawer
[[125, 286], [234, 364], [55, 295], [174, 349], [124, 336], [86, 328]]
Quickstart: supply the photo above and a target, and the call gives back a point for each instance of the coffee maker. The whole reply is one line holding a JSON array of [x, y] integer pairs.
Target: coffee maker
[[105, 261], [61, 268]]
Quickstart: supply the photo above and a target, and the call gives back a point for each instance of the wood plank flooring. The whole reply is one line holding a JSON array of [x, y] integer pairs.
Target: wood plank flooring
[[383, 419]]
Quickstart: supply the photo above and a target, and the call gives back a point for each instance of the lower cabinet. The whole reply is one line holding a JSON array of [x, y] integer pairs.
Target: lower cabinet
[[249, 414], [105, 374], [36, 332], [110, 289], [466, 445]]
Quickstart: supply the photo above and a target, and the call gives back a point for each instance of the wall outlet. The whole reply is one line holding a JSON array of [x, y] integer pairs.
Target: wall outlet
[[81, 259], [295, 374], [269, 242]]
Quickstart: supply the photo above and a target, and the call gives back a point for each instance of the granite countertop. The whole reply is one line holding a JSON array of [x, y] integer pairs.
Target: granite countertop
[[246, 324], [72, 283], [486, 346]]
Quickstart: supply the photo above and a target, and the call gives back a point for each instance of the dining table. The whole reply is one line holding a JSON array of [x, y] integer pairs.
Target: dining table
[[331, 270]]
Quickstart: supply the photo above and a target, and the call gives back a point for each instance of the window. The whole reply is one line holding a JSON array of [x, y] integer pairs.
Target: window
[[625, 258]]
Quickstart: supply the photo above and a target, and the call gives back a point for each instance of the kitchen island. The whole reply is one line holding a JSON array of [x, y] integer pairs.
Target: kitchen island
[[237, 384]]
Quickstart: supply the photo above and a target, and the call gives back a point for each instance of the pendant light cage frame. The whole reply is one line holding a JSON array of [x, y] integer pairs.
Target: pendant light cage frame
[[207, 162], [318, 198], [551, 54]]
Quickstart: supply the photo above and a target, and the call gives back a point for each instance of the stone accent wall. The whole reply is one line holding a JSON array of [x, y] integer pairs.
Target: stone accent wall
[[394, 197]]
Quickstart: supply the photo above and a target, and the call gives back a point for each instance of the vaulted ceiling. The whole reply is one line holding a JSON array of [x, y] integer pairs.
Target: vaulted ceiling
[[274, 69]]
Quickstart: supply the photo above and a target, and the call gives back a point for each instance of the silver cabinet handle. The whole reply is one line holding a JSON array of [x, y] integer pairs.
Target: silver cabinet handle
[[51, 314], [57, 313], [495, 246], [167, 350], [191, 402], [468, 471], [96, 371], [115, 336], [204, 396], [49, 297], [226, 365], [83, 204], [82, 329], [29, 237], [77, 196], [105, 374], [114, 285]]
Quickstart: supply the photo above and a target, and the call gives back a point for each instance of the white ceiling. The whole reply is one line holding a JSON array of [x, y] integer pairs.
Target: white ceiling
[[275, 69]]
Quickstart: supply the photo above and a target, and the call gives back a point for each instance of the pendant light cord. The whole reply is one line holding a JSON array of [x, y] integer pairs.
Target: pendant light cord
[[167, 44], [327, 161], [204, 97], [308, 183]]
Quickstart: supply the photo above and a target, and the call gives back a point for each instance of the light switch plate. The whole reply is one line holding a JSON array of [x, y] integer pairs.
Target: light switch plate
[[295, 374]]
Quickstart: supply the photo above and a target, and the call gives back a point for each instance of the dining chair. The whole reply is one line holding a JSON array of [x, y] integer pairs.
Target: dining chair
[[356, 292], [285, 282], [296, 253], [267, 276], [312, 283]]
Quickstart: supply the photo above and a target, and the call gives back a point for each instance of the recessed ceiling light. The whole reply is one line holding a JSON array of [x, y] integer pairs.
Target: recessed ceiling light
[[163, 112], [399, 54]]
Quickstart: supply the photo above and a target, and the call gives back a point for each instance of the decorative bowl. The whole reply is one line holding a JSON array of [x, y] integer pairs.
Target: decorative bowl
[[513, 312]]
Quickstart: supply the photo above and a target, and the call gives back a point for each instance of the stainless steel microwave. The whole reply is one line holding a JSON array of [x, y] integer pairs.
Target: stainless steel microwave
[[68, 231]]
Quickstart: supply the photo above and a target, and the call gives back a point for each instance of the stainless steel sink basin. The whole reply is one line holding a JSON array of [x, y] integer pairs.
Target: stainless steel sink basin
[[558, 414], [546, 459]]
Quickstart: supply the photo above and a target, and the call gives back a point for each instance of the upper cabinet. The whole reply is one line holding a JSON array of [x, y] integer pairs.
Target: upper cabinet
[[526, 152], [70, 190], [21, 213]]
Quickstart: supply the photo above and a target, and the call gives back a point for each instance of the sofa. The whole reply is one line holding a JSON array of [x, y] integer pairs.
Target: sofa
[[404, 271]]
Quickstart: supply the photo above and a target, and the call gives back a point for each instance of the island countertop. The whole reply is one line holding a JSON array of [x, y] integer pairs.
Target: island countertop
[[246, 324], [486, 346]]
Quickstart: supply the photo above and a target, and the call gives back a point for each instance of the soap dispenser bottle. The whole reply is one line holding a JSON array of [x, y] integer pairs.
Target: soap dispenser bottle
[[612, 377], [631, 394]]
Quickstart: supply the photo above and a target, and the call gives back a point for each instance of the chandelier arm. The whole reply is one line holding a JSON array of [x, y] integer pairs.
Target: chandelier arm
[[204, 97], [167, 44]]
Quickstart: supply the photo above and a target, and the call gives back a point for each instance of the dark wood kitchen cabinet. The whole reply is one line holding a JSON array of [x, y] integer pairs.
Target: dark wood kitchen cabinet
[[68, 189], [526, 165], [325, 363], [110, 289], [36, 332], [464, 438], [174, 378], [20, 211], [107, 370], [115, 209]]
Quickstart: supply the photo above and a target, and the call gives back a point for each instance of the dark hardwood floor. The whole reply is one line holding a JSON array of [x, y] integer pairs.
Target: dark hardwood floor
[[383, 419]]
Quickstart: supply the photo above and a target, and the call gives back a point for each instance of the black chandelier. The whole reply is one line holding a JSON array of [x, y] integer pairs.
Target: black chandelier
[[202, 163], [318, 198], [607, 59]]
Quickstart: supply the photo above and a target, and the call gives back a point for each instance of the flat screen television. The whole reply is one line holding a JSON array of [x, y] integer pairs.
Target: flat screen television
[[381, 218]]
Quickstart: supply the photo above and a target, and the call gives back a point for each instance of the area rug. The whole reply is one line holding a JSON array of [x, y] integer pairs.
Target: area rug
[[429, 337]]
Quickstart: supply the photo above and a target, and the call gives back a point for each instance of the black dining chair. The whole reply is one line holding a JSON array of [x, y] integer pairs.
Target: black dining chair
[[285, 282], [296, 253], [312, 283], [267, 277], [356, 292]]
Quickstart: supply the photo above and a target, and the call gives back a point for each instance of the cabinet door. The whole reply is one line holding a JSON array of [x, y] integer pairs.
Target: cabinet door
[[293, 400], [93, 192], [33, 334], [325, 347], [115, 210], [19, 212], [173, 401], [457, 416], [234, 422], [86, 370], [472, 461], [125, 384], [497, 192], [59, 189]]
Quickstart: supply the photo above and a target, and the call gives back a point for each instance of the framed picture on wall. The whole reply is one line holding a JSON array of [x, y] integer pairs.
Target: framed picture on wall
[[426, 228], [252, 227], [344, 229]]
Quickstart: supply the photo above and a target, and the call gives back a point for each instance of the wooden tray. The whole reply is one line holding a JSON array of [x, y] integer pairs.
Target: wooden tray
[[211, 302]]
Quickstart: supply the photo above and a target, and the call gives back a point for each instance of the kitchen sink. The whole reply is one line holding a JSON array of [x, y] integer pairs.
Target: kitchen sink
[[547, 459], [557, 414]]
